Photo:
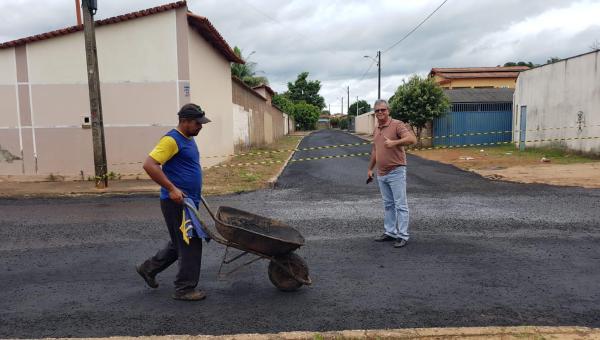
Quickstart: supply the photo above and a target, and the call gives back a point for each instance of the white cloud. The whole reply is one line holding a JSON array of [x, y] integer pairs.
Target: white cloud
[[330, 38]]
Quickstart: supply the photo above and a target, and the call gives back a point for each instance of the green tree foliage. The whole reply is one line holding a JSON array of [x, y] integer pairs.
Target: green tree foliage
[[520, 63], [302, 101], [419, 101], [552, 60], [363, 107], [305, 90], [247, 72], [283, 103], [306, 115]]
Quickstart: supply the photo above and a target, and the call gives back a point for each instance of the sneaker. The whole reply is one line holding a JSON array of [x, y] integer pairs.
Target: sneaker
[[150, 280], [384, 238], [193, 295], [400, 243]]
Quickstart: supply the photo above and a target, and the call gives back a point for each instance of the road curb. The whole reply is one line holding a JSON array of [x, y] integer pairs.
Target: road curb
[[504, 333], [271, 182]]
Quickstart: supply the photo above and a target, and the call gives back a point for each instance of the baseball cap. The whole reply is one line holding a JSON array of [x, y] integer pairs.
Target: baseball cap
[[193, 111]]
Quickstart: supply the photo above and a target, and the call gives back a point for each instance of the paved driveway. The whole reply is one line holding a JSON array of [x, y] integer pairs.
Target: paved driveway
[[481, 253]]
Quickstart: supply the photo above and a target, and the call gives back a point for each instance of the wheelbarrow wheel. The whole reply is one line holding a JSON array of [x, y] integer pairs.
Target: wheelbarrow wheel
[[282, 278]]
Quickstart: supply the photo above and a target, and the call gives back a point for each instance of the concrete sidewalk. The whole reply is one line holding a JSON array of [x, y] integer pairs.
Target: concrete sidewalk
[[503, 333], [31, 188]]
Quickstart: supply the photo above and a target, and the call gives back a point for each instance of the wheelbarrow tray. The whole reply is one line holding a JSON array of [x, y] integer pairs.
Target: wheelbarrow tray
[[260, 234]]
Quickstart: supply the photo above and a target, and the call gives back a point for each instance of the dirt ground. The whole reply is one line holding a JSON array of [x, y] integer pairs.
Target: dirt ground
[[509, 165]]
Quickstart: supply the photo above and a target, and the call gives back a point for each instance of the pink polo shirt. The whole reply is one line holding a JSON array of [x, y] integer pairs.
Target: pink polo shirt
[[389, 159]]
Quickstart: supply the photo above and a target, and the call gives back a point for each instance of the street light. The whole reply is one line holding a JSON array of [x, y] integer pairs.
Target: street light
[[378, 61]]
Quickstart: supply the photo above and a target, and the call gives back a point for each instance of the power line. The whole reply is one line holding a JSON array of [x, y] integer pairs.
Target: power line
[[416, 27], [367, 71]]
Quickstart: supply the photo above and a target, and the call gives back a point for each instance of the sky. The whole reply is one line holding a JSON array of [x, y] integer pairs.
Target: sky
[[330, 38]]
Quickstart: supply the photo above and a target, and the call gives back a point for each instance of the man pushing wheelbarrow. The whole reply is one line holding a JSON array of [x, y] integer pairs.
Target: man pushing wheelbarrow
[[174, 164]]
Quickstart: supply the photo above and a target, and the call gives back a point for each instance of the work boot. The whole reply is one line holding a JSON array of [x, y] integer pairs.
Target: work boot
[[150, 280], [400, 242], [192, 295], [384, 238]]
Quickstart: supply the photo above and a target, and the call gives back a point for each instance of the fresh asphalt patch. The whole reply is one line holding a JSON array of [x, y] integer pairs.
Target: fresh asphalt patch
[[481, 253]]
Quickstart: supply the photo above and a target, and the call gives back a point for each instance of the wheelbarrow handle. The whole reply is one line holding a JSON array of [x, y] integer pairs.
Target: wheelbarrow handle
[[208, 208], [214, 234]]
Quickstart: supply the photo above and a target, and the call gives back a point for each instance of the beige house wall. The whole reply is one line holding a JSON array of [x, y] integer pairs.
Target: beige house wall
[[254, 105], [140, 90], [268, 127], [366, 123], [279, 122], [60, 60], [9, 116], [266, 123], [8, 72], [210, 87]]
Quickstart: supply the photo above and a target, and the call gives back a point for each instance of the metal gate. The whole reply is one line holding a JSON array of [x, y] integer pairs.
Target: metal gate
[[474, 123]]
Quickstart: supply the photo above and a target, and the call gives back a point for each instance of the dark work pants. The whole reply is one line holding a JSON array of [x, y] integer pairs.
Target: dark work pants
[[189, 255]]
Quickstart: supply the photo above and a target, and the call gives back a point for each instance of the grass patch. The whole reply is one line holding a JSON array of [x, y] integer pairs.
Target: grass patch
[[503, 156], [226, 180]]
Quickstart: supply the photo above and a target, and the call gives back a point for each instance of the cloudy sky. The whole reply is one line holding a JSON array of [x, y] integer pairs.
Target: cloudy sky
[[330, 38]]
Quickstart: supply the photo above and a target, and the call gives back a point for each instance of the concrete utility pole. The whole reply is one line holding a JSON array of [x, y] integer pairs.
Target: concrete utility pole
[[100, 167], [378, 74], [356, 106], [348, 111], [342, 105], [348, 100], [378, 61]]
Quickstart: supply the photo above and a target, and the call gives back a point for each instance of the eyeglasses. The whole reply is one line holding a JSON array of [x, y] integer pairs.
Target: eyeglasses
[[380, 110]]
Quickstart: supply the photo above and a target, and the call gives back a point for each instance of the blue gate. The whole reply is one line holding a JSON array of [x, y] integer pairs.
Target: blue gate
[[474, 123]]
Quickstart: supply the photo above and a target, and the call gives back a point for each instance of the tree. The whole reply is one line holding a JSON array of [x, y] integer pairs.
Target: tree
[[246, 72], [305, 90], [306, 115], [520, 63], [283, 103], [363, 107], [552, 60], [419, 101], [595, 46]]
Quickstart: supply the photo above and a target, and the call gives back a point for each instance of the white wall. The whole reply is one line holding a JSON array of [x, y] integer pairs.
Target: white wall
[[556, 95], [286, 124], [241, 126], [210, 87], [365, 123]]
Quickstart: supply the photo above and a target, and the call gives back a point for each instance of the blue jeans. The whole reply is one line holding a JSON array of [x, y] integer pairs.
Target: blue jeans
[[393, 191]]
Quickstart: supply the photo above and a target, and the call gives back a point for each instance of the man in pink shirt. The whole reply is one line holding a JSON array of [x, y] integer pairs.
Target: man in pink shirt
[[389, 139]]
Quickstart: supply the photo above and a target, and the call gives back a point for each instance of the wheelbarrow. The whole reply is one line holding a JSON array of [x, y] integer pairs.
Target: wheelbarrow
[[266, 238]]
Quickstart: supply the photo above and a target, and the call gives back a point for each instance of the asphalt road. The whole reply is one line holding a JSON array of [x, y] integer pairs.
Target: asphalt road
[[481, 253]]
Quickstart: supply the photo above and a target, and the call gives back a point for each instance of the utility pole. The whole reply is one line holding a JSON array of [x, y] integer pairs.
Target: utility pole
[[378, 74], [348, 111], [356, 106], [348, 100], [100, 167], [342, 105]]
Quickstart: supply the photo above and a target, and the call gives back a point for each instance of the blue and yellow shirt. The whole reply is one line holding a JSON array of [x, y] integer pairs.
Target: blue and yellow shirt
[[180, 160]]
